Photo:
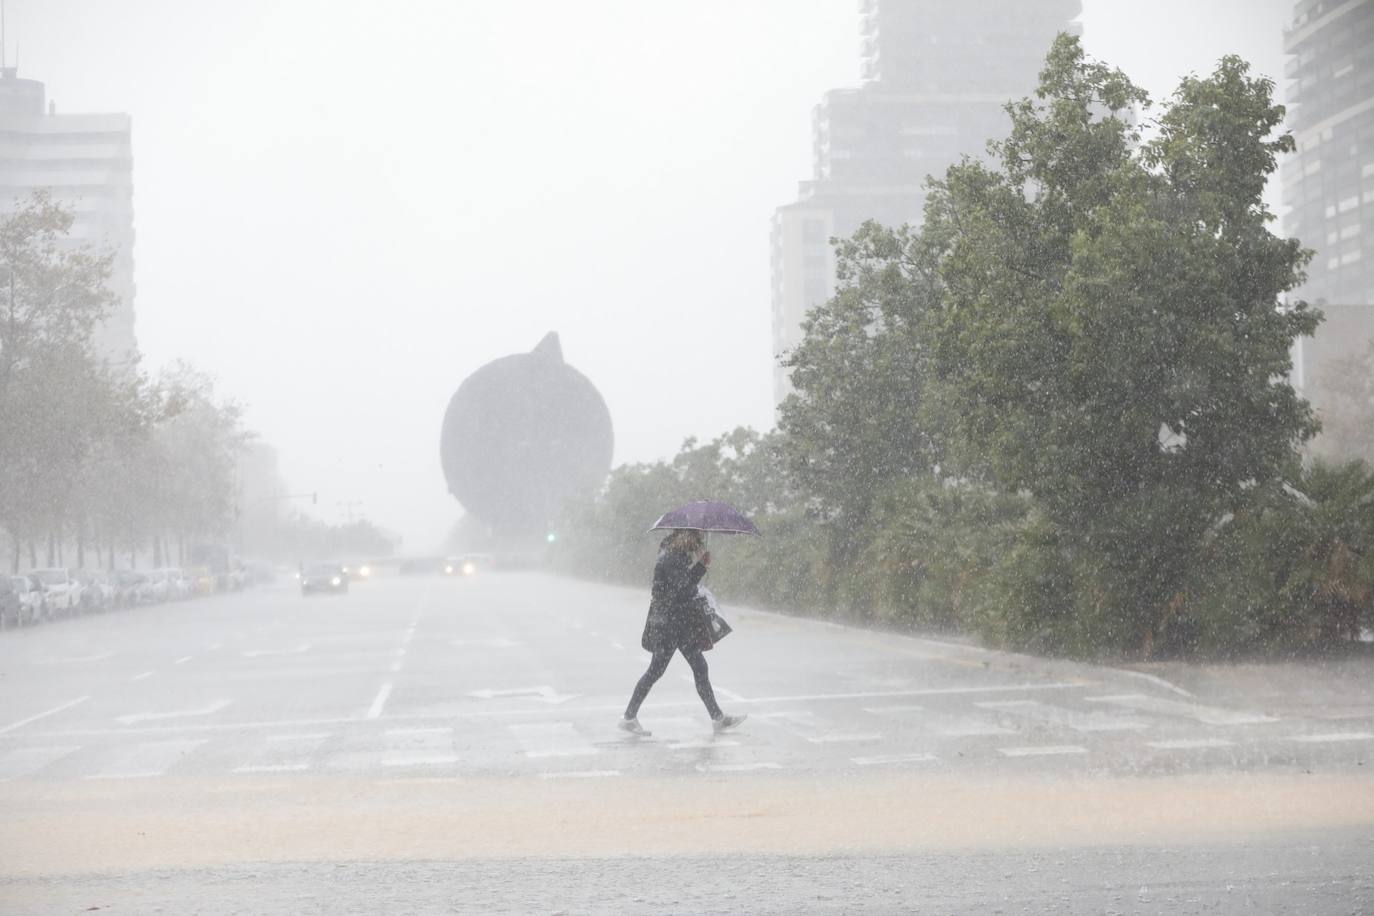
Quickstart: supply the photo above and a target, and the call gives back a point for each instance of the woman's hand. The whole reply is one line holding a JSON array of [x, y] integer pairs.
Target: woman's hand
[[706, 559]]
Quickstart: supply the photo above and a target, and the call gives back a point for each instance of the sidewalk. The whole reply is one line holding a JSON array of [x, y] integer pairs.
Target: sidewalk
[[1334, 689]]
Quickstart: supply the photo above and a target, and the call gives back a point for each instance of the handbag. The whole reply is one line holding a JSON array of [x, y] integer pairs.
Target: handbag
[[718, 626]]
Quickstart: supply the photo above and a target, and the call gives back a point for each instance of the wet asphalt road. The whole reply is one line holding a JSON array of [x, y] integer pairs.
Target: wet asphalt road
[[432, 745], [1325, 873]]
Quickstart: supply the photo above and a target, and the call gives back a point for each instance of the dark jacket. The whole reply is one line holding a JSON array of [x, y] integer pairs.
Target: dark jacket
[[675, 619]]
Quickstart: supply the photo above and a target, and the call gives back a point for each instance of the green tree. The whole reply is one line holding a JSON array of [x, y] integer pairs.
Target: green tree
[[857, 419], [1110, 339]]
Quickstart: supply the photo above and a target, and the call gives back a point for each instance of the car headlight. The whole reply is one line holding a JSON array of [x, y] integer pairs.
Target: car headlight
[[336, 581], [469, 569], [365, 571], [448, 569]]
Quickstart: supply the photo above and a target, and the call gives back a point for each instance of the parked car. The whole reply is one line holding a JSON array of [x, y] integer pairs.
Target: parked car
[[61, 591], [324, 577], [11, 610], [126, 587], [97, 592], [32, 600], [201, 580], [178, 585], [155, 587]]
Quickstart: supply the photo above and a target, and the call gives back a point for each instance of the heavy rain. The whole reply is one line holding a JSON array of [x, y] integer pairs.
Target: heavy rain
[[738, 457]]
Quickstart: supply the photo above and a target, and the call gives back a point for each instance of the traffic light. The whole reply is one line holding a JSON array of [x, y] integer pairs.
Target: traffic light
[[550, 537]]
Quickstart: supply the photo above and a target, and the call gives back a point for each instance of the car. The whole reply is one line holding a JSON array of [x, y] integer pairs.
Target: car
[[155, 587], [425, 566], [472, 563], [324, 577], [178, 586], [358, 569], [32, 600], [126, 584], [97, 591], [11, 609], [202, 581], [60, 590]]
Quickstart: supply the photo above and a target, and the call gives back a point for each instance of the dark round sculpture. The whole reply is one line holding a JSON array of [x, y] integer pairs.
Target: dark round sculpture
[[521, 435]]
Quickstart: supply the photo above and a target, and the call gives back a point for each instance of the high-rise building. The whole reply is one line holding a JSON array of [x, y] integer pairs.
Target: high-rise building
[[86, 162], [936, 76], [1328, 184]]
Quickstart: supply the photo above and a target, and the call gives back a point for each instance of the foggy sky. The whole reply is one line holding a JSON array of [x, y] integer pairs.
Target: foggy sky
[[344, 207]]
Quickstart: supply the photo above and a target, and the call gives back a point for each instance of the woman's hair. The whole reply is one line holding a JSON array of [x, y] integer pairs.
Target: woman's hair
[[685, 540]]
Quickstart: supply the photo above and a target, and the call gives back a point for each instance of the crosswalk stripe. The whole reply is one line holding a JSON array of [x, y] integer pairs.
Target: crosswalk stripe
[[961, 726], [1335, 736], [1184, 744], [146, 759], [581, 774], [804, 725], [735, 767], [409, 747], [26, 761], [881, 759], [1208, 715], [283, 754], [1043, 751], [693, 744], [1066, 718], [552, 739]]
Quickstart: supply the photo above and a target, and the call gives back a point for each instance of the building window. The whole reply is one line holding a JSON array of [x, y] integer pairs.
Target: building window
[[813, 232]]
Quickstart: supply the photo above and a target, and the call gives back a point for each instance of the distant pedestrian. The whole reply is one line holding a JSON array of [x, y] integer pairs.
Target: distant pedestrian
[[677, 623]]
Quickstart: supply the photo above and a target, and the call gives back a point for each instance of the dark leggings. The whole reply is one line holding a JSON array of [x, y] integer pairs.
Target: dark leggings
[[659, 664]]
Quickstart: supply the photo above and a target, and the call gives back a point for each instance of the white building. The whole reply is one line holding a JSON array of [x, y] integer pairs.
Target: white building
[[936, 77], [86, 163]]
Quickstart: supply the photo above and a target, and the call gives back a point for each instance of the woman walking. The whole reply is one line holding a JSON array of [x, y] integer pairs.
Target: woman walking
[[676, 624]]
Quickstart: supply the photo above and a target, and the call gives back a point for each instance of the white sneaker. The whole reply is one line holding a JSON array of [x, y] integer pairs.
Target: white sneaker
[[725, 722], [633, 727]]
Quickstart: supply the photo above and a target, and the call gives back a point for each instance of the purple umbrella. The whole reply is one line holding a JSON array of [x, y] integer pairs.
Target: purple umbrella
[[707, 516]]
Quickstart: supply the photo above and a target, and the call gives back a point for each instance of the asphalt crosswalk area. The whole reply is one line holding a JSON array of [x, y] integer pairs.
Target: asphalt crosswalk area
[[527, 675], [440, 694]]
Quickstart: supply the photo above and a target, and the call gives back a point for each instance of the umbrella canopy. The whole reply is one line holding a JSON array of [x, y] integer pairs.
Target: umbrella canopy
[[707, 515]]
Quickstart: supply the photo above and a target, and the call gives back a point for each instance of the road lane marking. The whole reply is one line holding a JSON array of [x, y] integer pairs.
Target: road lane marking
[[419, 747], [552, 739], [147, 760], [379, 703], [43, 715], [263, 653], [736, 767], [139, 677], [1042, 751], [1335, 736], [206, 710], [883, 759], [183, 660], [1208, 715], [284, 754], [961, 726], [929, 692], [544, 694], [25, 761], [804, 725], [1065, 718], [700, 743], [1188, 744], [730, 695], [618, 647], [893, 711], [581, 774], [499, 642]]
